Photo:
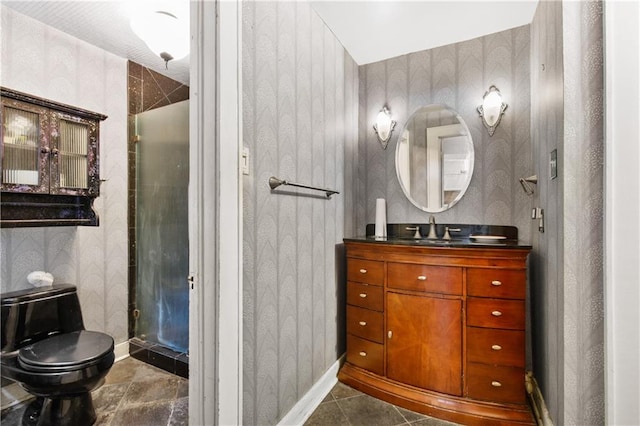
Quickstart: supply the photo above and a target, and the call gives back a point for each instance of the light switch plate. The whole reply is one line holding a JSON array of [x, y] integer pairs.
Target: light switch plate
[[245, 161], [553, 164]]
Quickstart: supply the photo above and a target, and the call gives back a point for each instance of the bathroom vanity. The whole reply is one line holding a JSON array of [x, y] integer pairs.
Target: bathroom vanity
[[438, 327]]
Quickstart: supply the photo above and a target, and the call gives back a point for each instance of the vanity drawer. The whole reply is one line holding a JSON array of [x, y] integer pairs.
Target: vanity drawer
[[365, 323], [499, 283], [365, 296], [495, 313], [365, 354], [496, 384], [365, 271], [427, 278], [497, 347]]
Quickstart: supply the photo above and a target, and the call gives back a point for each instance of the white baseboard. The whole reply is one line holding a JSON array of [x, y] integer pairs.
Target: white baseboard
[[537, 401], [310, 401], [121, 350], [13, 394]]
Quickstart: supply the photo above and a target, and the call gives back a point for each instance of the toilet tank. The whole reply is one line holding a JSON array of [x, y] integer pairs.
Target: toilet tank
[[37, 313]]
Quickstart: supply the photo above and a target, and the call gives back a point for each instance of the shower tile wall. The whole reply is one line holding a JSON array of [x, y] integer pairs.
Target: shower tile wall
[[299, 120], [42, 61], [456, 75], [147, 90]]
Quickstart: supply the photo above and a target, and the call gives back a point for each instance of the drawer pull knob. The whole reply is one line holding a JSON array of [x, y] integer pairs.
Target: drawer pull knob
[[363, 353], [362, 323], [496, 283], [496, 313], [422, 278], [363, 295], [390, 334], [363, 271], [496, 347], [496, 384]]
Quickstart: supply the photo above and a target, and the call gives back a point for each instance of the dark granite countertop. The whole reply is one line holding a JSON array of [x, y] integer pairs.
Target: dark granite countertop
[[423, 242], [464, 236]]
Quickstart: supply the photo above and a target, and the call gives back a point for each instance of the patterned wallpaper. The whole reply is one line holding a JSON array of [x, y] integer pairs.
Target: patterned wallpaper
[[299, 122], [456, 75], [45, 62], [567, 262], [583, 248]]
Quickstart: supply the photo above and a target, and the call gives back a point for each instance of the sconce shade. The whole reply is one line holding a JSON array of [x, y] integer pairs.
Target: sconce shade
[[384, 126], [492, 109], [165, 33]]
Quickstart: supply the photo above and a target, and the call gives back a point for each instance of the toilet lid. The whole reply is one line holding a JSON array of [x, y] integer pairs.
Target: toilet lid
[[66, 351]]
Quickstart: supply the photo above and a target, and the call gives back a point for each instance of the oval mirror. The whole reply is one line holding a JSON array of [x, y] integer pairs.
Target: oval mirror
[[434, 158]]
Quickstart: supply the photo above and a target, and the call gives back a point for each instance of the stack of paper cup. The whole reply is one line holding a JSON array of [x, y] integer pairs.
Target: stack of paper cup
[[381, 218]]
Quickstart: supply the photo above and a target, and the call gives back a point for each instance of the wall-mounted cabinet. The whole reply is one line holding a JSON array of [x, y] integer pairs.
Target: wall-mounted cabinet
[[50, 167]]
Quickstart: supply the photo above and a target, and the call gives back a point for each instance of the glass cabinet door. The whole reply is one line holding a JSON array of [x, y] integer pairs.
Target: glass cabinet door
[[74, 163], [25, 150]]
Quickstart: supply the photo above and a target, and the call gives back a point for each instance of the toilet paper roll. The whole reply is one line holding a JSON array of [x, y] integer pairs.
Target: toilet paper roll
[[381, 218]]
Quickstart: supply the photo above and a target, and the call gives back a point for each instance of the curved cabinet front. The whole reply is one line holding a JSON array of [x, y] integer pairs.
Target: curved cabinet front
[[439, 330]]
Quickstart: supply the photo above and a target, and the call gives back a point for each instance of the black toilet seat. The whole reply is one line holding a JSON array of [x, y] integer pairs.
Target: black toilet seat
[[66, 352]]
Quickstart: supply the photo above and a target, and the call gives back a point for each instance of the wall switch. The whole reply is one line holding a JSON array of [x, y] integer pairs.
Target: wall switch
[[245, 161]]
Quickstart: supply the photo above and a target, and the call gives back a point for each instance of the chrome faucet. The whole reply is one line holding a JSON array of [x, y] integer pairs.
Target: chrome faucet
[[432, 229]]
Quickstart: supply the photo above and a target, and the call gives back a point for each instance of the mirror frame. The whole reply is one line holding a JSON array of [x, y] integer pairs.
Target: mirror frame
[[467, 183]]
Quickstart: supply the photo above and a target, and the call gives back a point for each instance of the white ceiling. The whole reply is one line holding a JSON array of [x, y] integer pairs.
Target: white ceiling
[[370, 30], [104, 24]]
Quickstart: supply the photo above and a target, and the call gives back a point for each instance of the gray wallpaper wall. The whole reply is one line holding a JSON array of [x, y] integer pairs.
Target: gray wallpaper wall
[[456, 75], [546, 260], [299, 120], [567, 284], [582, 218], [42, 61]]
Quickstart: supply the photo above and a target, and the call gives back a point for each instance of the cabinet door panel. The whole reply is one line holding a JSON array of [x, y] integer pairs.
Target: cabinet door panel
[[25, 148], [74, 168], [425, 345]]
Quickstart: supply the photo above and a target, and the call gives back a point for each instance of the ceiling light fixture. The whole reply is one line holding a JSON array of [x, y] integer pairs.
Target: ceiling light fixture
[[166, 33], [492, 109], [384, 126]]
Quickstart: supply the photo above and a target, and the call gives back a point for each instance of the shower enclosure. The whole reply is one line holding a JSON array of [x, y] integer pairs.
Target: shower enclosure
[[161, 312]]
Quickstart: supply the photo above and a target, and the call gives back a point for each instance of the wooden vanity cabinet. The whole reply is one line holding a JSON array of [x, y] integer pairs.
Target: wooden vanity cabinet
[[439, 330]]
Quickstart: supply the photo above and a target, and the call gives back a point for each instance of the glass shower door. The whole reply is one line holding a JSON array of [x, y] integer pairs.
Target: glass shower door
[[162, 244]]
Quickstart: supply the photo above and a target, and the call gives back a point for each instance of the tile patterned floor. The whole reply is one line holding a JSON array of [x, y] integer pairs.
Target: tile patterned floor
[[345, 406], [134, 394], [139, 394]]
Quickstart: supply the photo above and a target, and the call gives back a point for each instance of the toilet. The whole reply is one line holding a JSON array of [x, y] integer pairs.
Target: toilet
[[46, 349]]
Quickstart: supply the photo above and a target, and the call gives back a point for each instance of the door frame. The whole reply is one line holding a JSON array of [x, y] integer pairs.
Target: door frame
[[215, 215]]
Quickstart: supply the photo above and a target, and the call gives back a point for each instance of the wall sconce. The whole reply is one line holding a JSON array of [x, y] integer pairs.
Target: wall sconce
[[165, 32], [492, 109], [384, 126]]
